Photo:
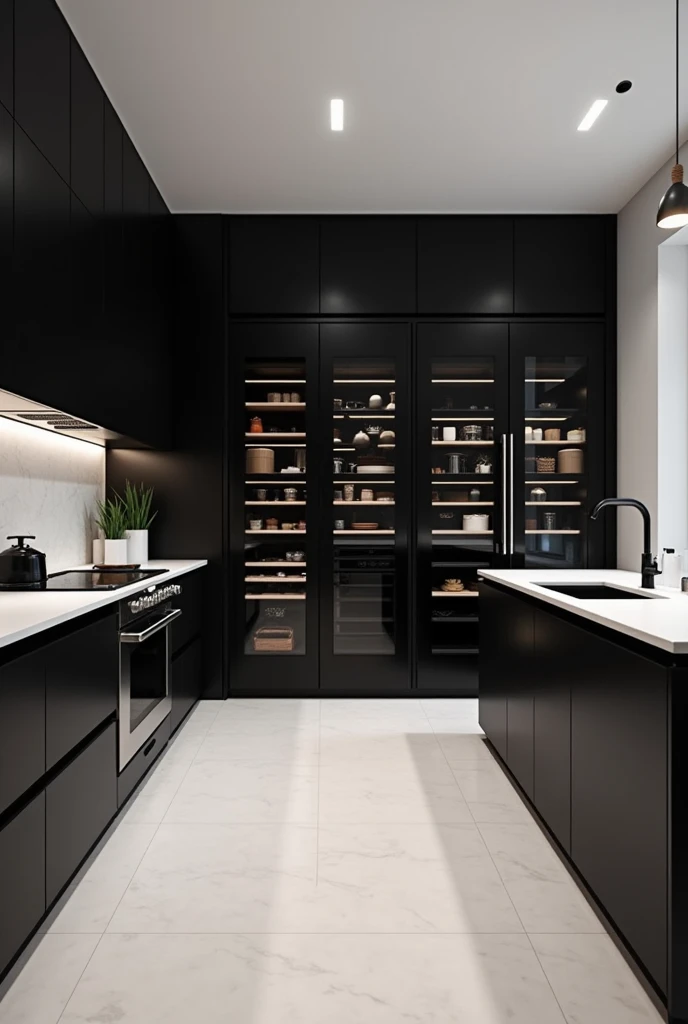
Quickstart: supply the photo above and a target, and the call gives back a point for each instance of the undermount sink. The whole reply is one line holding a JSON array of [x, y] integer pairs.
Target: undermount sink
[[595, 591]]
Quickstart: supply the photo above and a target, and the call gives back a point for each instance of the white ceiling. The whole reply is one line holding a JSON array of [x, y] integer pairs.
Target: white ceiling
[[450, 105]]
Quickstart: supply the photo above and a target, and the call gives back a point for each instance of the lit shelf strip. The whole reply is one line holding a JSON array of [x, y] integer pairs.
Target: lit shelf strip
[[464, 483], [364, 533], [275, 433], [276, 406], [545, 380], [464, 533], [547, 480], [274, 579], [274, 503], [569, 442], [357, 504], [273, 565], [460, 380], [364, 382], [464, 419], [273, 445], [460, 504], [274, 382], [536, 503], [275, 597], [455, 593], [463, 444], [572, 532], [279, 533]]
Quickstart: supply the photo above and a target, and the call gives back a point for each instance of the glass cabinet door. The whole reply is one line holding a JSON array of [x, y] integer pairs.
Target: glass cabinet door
[[364, 612], [275, 415], [558, 465], [462, 381]]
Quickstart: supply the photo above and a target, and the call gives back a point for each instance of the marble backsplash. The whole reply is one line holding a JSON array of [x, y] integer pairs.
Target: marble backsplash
[[49, 485]]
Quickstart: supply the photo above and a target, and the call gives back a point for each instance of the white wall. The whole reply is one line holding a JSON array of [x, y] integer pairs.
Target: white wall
[[49, 486], [638, 363]]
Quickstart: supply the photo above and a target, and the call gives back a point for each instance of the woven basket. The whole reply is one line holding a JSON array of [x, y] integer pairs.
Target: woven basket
[[546, 464], [260, 460], [271, 638]]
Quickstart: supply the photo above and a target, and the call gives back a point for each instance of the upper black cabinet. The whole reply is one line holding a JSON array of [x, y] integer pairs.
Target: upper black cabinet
[[465, 265], [41, 98], [7, 53], [367, 265], [559, 265], [86, 132], [273, 265], [6, 213]]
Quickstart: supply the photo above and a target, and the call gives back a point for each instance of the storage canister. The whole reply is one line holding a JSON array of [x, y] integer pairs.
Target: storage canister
[[260, 460], [571, 460], [476, 523]]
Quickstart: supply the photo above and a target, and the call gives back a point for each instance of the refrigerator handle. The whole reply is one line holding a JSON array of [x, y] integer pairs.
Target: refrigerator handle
[[504, 497], [511, 494]]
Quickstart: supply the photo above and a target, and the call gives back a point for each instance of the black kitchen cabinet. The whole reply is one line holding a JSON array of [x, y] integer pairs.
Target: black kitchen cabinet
[[495, 652], [619, 781], [186, 682], [559, 265], [367, 265], [273, 265], [86, 317], [41, 79], [6, 217], [191, 604], [7, 54], [86, 125], [22, 877], [465, 265], [82, 675], [22, 726], [80, 803], [555, 652]]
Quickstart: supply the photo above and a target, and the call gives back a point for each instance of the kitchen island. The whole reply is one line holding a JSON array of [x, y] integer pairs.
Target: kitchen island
[[585, 700]]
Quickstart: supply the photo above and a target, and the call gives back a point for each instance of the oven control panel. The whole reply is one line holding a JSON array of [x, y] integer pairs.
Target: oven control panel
[[152, 598]]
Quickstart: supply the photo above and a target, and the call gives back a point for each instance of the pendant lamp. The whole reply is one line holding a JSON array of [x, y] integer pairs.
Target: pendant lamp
[[673, 209]]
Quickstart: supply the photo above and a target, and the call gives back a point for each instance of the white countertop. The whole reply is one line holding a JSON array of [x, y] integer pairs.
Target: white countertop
[[661, 621], [27, 612]]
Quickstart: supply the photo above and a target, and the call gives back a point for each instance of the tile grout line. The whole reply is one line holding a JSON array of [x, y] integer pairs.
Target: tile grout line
[[317, 817], [546, 976]]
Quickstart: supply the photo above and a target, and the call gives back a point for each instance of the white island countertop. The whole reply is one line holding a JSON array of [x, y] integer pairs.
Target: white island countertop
[[26, 612], [661, 621]]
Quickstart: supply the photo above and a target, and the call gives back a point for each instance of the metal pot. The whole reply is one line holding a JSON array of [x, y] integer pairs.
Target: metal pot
[[21, 565]]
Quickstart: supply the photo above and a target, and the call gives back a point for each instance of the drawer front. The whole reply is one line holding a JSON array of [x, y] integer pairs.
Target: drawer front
[[82, 677], [80, 803], [141, 762], [186, 682], [22, 726], [190, 623], [22, 877]]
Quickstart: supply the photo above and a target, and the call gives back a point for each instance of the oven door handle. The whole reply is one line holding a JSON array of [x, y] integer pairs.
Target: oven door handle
[[138, 638]]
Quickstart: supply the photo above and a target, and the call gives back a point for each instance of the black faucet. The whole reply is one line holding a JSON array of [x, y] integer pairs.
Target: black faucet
[[648, 563]]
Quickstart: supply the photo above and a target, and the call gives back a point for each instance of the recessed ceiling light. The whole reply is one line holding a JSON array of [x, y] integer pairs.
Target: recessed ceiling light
[[337, 115], [592, 115]]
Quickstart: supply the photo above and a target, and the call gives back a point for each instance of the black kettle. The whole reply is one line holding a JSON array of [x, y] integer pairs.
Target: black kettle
[[22, 567]]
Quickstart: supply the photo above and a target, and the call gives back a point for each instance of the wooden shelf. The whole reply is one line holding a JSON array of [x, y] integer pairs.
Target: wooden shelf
[[275, 597], [463, 533], [266, 381], [567, 532], [349, 381], [274, 579], [357, 504], [364, 414], [551, 481], [566, 443], [266, 437], [455, 593], [289, 478], [280, 533], [272, 565], [252, 503], [461, 419], [363, 533], [460, 504], [462, 444], [546, 503], [456, 482], [464, 380], [276, 406]]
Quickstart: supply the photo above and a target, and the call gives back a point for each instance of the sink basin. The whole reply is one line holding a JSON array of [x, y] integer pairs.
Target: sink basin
[[595, 592]]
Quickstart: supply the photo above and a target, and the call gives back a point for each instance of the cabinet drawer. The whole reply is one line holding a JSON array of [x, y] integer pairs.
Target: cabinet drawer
[[82, 673], [80, 803], [141, 762], [186, 682], [190, 623], [22, 726], [22, 877]]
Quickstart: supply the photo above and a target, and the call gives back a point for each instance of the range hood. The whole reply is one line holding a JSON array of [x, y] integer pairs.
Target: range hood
[[22, 410]]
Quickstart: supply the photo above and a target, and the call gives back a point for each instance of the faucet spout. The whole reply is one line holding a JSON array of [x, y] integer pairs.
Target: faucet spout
[[648, 564]]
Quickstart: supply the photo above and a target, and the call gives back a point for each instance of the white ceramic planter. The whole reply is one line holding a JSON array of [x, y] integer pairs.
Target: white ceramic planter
[[137, 546], [115, 552]]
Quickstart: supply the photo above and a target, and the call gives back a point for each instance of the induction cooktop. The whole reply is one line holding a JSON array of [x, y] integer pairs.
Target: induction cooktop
[[91, 579]]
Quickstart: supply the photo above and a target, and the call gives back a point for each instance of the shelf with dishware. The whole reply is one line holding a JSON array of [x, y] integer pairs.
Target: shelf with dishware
[[357, 502], [252, 503], [272, 434], [544, 504], [461, 444], [462, 504], [356, 533], [274, 565], [276, 406], [563, 532], [274, 533], [275, 597], [462, 533], [363, 414], [560, 443], [301, 578], [455, 593]]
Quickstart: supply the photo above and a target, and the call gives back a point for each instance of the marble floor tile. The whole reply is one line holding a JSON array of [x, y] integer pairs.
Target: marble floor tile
[[246, 791], [93, 899], [544, 894], [307, 979], [401, 791], [149, 803], [221, 878], [293, 710], [345, 743], [489, 794], [406, 878], [592, 982], [456, 726], [451, 707], [261, 741], [462, 746], [37, 991]]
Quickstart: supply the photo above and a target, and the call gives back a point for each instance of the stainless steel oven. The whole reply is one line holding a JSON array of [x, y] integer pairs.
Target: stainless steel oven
[[144, 666]]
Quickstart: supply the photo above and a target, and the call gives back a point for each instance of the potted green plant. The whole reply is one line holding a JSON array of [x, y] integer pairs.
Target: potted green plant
[[137, 502], [112, 521]]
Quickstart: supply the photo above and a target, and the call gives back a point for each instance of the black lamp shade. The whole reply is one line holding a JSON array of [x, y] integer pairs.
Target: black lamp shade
[[673, 209]]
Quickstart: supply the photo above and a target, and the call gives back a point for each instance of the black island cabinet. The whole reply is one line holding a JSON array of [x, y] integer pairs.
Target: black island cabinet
[[586, 720]]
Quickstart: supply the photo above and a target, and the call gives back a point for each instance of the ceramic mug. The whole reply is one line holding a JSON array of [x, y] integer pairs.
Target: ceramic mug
[[255, 524], [449, 433], [339, 524]]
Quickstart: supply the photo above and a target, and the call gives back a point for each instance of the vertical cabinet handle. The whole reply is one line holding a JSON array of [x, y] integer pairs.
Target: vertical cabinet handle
[[504, 496], [511, 494]]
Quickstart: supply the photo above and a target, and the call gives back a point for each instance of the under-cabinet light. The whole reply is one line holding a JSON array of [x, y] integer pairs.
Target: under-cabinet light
[[337, 115], [592, 115]]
